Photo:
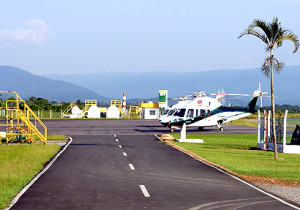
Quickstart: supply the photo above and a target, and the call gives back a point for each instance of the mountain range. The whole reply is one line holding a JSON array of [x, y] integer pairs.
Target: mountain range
[[27, 85], [106, 86], [146, 85]]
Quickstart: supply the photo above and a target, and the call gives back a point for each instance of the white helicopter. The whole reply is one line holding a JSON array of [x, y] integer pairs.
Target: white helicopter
[[203, 111]]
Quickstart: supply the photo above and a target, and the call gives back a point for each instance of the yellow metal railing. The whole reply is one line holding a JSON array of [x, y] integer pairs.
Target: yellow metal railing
[[117, 103], [22, 122], [90, 103], [87, 105], [67, 110], [123, 112]]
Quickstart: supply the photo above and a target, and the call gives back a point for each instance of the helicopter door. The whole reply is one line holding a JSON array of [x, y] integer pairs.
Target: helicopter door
[[208, 113], [190, 113], [202, 112]]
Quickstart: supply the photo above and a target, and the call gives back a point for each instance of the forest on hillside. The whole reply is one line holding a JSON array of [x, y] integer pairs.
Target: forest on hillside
[[36, 103]]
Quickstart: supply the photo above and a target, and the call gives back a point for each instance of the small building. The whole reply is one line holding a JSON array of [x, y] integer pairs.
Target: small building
[[150, 110]]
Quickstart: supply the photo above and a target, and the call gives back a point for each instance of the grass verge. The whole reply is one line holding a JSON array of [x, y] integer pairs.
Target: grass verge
[[19, 164], [237, 153], [52, 137]]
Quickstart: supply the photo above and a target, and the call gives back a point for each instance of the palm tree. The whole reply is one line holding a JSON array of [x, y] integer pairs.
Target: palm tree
[[272, 34]]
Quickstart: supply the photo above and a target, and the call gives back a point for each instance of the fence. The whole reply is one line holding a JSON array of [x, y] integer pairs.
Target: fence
[[284, 129]]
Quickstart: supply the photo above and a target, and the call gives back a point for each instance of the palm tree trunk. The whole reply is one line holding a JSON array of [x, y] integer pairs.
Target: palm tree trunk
[[273, 108]]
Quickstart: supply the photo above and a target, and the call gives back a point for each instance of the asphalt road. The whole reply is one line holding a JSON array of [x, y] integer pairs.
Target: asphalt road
[[131, 127], [121, 165]]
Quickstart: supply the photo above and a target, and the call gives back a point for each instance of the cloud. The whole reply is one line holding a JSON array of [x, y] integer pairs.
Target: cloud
[[37, 32]]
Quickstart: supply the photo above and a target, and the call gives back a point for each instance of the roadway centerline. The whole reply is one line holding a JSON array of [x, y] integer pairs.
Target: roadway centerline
[[120, 146], [144, 191], [117, 140], [124, 153], [131, 167]]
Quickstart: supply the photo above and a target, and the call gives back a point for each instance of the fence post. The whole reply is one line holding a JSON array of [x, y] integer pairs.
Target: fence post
[[258, 126], [284, 130], [267, 129]]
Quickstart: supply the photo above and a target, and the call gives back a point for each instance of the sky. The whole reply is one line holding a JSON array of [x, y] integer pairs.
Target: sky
[[97, 36]]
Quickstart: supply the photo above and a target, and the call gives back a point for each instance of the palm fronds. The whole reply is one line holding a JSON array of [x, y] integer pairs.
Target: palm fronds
[[269, 62], [272, 34]]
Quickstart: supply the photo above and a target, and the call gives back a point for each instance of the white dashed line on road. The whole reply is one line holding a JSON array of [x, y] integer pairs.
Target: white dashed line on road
[[117, 139], [120, 146], [124, 153], [115, 136], [131, 167], [144, 190]]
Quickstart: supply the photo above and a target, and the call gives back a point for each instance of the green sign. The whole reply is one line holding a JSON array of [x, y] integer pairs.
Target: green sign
[[162, 97]]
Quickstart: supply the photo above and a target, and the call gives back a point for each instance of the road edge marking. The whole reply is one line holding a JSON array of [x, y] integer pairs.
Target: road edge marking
[[18, 196], [231, 175]]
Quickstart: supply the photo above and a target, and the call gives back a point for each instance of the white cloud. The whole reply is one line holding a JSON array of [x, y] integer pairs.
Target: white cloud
[[37, 32]]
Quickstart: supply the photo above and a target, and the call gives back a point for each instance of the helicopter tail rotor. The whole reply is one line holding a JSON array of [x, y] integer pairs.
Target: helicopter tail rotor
[[220, 96]]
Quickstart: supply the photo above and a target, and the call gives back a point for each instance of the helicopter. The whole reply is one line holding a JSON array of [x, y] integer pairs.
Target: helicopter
[[201, 111]]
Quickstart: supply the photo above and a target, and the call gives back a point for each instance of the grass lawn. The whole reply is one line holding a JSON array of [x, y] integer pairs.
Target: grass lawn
[[292, 120], [52, 137], [237, 152], [19, 163]]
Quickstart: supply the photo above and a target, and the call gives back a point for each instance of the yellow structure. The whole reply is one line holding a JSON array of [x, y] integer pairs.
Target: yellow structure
[[87, 105], [117, 103], [67, 110], [150, 110], [123, 112], [21, 122], [135, 109], [149, 105], [102, 109]]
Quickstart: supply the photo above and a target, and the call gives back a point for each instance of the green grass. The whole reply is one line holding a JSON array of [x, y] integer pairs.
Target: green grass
[[52, 137], [244, 122], [49, 137], [237, 152], [292, 122], [56, 137], [19, 164]]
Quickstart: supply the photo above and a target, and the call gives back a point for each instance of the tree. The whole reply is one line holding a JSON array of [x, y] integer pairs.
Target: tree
[[272, 34]]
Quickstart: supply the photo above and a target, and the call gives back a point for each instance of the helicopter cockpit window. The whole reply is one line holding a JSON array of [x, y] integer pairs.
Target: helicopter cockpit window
[[190, 113], [180, 113], [202, 112], [172, 112], [166, 112]]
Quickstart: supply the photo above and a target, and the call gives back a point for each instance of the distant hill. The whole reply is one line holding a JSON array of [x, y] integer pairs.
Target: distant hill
[[146, 85], [27, 85]]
